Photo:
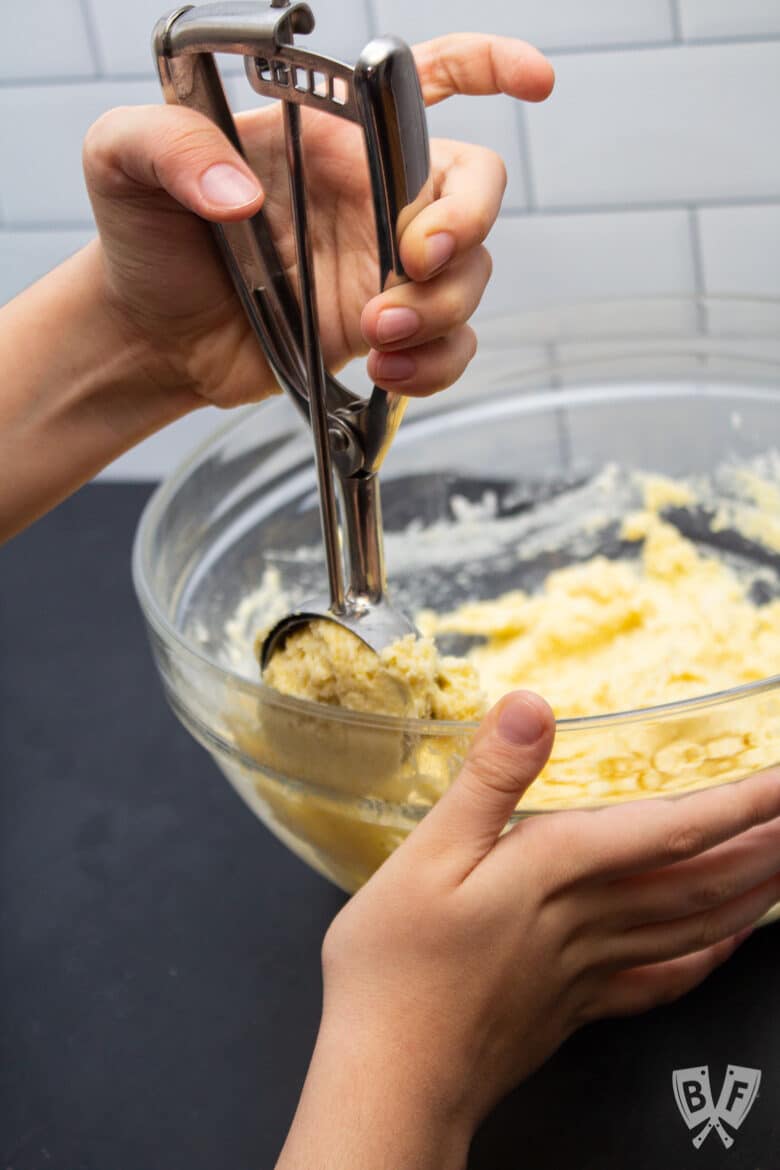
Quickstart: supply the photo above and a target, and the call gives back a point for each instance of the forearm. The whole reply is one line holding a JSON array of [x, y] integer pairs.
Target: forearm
[[78, 389], [364, 1112]]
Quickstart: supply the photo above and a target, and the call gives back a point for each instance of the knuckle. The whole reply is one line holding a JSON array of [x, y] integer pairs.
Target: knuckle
[[496, 161], [765, 804], [683, 842], [97, 149], [453, 304], [756, 799], [341, 937], [564, 831], [331, 946], [715, 893], [491, 772], [502, 172], [446, 364], [188, 149], [587, 1005], [483, 222], [710, 931]]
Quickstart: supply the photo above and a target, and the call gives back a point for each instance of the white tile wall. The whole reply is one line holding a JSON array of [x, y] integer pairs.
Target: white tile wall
[[41, 131], [47, 37], [547, 23], [26, 256], [123, 34], [729, 18], [653, 168], [493, 122], [740, 249], [547, 259], [679, 124]]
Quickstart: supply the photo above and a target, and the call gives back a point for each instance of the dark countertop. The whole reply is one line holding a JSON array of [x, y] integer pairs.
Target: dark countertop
[[159, 949]]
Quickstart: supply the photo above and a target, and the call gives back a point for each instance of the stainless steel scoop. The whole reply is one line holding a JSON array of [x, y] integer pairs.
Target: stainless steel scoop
[[351, 434]]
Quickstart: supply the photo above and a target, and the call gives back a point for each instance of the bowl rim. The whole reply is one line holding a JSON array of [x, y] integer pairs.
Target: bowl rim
[[529, 403]]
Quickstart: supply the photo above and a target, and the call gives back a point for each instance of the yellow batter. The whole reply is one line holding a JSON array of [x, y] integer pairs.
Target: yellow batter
[[325, 663], [610, 636], [600, 637]]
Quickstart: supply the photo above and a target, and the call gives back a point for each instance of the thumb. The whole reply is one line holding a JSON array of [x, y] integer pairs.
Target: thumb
[[137, 149], [508, 752]]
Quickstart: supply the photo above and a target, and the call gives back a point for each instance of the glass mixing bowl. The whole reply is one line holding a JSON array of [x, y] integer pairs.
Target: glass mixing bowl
[[487, 487]]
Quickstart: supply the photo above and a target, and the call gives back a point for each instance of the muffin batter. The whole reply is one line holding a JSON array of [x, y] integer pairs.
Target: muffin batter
[[600, 637], [610, 636], [326, 663], [674, 622]]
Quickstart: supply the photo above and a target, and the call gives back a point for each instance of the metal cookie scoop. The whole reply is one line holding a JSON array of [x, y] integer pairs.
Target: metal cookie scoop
[[351, 434]]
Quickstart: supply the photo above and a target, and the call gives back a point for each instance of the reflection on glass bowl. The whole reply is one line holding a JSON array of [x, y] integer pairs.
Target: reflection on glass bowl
[[670, 387]]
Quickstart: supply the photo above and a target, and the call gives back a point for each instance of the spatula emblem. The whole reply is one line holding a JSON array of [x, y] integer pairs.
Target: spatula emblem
[[693, 1095]]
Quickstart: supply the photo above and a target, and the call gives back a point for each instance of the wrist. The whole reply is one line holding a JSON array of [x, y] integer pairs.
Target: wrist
[[80, 389], [127, 360], [368, 1104]]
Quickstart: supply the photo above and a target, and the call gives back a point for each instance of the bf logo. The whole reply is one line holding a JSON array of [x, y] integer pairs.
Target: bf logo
[[694, 1100]]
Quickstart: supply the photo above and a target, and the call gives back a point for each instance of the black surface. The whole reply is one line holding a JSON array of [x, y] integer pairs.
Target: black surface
[[159, 950]]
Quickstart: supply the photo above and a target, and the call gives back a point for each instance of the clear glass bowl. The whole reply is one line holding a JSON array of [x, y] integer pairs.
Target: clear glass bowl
[[669, 386]]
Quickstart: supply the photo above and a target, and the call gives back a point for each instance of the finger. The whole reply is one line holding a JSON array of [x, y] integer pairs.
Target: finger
[[641, 988], [467, 203], [508, 752], [411, 314], [141, 149], [703, 883], [425, 369], [478, 63], [684, 936], [632, 838]]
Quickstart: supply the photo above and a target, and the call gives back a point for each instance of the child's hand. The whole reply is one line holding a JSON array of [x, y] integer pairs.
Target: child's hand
[[147, 168], [470, 955]]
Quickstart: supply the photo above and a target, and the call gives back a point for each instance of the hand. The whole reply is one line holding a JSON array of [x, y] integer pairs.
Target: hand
[[472, 953], [148, 168]]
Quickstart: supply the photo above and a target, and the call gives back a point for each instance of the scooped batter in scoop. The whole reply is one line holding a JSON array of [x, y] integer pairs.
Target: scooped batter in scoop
[[325, 663]]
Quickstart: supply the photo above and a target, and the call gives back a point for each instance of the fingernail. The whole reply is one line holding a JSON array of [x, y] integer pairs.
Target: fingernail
[[393, 367], [520, 723], [395, 324], [226, 186], [438, 250]]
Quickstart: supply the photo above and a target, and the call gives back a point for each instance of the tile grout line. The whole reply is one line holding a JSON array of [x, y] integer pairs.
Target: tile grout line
[[564, 50], [371, 18], [666, 43], [525, 159], [676, 15], [696, 250], [661, 205], [92, 37], [697, 260]]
